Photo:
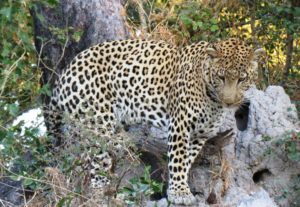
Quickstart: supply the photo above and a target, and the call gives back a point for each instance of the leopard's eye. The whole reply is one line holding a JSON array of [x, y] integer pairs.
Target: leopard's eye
[[221, 75], [222, 78], [242, 78]]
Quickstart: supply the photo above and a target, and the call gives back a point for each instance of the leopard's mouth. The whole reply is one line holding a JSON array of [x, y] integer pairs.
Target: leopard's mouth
[[235, 104]]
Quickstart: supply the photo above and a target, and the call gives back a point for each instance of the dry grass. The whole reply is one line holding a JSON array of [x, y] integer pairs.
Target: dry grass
[[224, 174]]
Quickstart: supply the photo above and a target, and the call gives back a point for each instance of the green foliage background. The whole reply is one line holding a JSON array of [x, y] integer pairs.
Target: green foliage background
[[19, 72]]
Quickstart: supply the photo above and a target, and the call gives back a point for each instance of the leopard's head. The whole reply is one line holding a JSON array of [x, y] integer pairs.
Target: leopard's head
[[232, 69]]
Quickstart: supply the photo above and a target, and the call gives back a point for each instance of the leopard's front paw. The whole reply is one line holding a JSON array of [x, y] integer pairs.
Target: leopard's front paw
[[181, 197]]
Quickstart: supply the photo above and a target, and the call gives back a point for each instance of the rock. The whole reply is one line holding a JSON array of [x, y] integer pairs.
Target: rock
[[260, 161], [32, 118], [11, 193], [271, 114], [257, 199], [239, 197], [241, 173], [161, 203]]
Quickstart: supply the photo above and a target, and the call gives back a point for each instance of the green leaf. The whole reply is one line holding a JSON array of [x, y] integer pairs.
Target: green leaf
[[293, 152], [45, 90], [25, 38], [147, 172], [143, 187], [2, 134], [27, 182], [214, 28], [266, 138], [40, 17], [53, 2], [6, 49], [77, 35], [61, 202], [126, 190], [15, 177], [6, 12], [13, 109], [197, 25], [156, 187], [186, 20], [214, 21], [296, 11], [19, 70], [294, 156], [200, 24]]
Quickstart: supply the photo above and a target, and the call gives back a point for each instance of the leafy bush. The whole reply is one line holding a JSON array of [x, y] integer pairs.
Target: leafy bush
[[140, 189], [290, 142], [19, 73], [23, 154], [196, 22]]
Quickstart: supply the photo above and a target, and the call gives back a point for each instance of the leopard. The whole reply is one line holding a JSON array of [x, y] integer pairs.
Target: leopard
[[185, 90]]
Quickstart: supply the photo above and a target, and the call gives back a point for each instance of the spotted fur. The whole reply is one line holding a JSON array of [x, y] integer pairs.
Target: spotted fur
[[184, 90]]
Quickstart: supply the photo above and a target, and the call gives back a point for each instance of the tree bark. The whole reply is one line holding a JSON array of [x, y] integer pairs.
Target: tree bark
[[288, 59], [97, 20], [289, 42]]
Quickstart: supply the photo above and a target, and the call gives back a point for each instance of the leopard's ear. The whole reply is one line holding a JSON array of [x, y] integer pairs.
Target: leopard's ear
[[258, 53], [212, 52]]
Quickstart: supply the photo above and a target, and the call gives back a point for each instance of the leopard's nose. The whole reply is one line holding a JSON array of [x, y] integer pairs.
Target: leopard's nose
[[228, 97], [232, 100], [229, 100]]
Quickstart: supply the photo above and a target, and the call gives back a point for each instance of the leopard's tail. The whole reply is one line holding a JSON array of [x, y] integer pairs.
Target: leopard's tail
[[53, 120]]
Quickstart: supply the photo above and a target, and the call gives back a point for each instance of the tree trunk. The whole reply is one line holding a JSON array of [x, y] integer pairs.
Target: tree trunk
[[288, 58], [72, 26], [289, 42]]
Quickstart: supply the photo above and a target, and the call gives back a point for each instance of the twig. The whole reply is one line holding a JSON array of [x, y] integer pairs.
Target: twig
[[120, 179], [63, 52], [31, 199], [10, 70], [10, 185], [3, 202], [40, 53]]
